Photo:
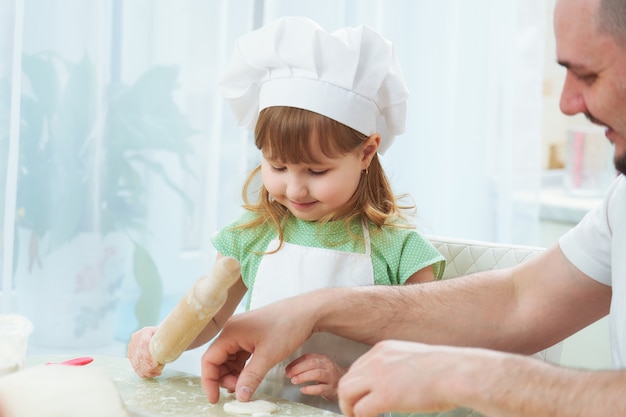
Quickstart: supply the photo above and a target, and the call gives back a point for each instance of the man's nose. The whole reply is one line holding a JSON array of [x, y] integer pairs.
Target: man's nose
[[572, 101]]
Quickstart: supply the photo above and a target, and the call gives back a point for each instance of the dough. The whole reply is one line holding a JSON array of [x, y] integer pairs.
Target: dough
[[250, 407], [60, 390]]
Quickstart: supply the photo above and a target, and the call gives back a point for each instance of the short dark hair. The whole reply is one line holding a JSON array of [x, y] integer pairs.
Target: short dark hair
[[611, 19]]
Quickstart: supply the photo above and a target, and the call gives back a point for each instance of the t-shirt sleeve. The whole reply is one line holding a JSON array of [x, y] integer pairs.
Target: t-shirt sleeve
[[404, 252], [227, 241], [244, 244], [588, 246], [418, 253]]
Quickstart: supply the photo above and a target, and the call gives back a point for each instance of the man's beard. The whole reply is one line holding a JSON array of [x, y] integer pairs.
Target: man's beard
[[620, 163], [618, 160]]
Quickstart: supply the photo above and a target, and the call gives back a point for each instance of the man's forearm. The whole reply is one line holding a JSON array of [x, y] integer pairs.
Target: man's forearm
[[413, 312], [497, 309], [490, 382], [520, 387]]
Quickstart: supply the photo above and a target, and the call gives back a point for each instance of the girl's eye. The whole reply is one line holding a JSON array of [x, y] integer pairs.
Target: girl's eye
[[278, 169], [316, 173]]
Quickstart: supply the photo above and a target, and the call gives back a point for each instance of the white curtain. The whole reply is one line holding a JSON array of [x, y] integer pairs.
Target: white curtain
[[119, 159]]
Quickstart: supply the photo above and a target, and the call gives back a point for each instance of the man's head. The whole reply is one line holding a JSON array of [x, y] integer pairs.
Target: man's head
[[612, 19], [591, 45]]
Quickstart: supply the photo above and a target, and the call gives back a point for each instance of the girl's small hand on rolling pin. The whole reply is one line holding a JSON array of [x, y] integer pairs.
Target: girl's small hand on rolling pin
[[139, 354]]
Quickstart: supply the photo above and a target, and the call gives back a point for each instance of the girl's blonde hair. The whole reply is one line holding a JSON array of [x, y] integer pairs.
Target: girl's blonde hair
[[293, 135]]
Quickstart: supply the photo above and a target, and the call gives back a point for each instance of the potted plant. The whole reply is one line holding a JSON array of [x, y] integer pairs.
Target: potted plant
[[82, 187]]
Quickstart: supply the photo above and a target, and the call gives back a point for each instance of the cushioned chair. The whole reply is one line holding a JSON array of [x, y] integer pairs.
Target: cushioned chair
[[468, 256]]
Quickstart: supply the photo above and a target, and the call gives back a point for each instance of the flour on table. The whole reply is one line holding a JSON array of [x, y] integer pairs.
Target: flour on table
[[255, 407]]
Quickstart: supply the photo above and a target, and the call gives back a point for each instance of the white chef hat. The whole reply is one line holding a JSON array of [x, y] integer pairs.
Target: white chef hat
[[351, 75]]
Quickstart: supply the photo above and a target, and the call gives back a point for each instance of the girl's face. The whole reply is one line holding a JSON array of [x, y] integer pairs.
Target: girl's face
[[311, 191]]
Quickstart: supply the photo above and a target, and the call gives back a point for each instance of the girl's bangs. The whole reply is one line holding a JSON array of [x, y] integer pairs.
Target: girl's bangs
[[295, 136]]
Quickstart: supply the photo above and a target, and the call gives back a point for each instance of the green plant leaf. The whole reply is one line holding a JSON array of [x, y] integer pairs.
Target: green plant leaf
[[160, 171], [43, 80], [77, 111], [79, 173], [146, 117], [147, 309]]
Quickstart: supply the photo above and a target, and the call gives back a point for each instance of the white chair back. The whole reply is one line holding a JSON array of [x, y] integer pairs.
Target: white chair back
[[464, 257]]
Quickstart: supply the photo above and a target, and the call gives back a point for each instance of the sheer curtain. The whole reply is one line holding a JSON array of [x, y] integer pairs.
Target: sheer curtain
[[119, 159]]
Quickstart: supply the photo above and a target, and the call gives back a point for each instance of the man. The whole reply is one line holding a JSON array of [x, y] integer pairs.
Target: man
[[523, 309]]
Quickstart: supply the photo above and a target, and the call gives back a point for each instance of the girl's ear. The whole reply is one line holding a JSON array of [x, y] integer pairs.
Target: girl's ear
[[370, 147]]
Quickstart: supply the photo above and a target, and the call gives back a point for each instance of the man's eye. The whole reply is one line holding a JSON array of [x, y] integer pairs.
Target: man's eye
[[587, 78]]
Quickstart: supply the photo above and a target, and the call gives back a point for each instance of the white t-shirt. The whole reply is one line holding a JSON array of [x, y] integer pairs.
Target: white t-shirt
[[597, 246]]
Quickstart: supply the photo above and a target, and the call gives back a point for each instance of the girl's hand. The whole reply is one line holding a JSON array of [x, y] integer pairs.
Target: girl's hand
[[317, 368], [139, 353]]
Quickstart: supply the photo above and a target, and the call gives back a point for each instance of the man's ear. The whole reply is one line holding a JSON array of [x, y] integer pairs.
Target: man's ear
[[370, 147]]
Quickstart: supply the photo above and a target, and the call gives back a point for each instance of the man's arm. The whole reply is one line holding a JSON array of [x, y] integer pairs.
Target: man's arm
[[411, 377], [522, 309]]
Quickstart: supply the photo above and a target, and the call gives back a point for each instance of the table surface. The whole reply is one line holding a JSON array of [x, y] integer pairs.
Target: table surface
[[174, 393]]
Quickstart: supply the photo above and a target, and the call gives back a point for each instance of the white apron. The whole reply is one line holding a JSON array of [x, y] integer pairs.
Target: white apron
[[296, 269]]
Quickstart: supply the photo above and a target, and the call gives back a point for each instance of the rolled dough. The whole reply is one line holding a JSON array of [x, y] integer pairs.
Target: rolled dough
[[60, 390], [250, 407]]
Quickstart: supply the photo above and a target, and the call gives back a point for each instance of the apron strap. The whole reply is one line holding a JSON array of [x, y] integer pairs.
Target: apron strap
[[366, 238]]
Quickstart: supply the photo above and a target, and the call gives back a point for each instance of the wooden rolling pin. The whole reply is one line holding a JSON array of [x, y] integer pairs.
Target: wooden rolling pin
[[194, 311]]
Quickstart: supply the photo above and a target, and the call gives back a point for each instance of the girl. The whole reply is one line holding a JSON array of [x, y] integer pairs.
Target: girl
[[324, 213]]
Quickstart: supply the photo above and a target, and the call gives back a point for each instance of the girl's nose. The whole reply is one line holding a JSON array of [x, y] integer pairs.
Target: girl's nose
[[572, 101], [296, 188]]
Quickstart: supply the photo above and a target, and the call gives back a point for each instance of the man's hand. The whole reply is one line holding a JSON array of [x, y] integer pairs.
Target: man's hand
[[265, 336], [402, 377]]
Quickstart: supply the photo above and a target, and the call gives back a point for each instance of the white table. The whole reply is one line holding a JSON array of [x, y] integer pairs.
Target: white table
[[174, 393]]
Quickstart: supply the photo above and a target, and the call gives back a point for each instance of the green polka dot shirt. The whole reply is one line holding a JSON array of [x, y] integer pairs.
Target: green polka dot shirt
[[397, 253]]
